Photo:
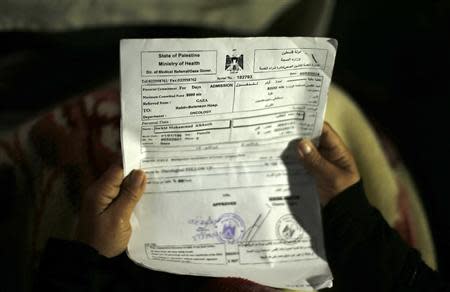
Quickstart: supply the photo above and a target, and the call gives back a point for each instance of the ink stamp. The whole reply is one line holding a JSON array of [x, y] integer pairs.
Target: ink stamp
[[230, 228], [288, 230]]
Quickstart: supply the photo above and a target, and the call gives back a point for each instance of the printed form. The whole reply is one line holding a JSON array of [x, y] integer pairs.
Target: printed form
[[214, 124]]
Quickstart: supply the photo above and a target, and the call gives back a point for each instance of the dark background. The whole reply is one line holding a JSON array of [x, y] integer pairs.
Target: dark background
[[393, 58]]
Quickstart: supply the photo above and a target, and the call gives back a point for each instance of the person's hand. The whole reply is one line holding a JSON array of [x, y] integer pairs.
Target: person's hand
[[106, 210], [332, 164]]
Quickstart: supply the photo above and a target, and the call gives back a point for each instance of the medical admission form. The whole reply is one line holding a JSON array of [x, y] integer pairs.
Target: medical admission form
[[213, 122]]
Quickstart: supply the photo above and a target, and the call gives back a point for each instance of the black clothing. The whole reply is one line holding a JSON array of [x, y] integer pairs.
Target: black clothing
[[363, 252], [366, 254]]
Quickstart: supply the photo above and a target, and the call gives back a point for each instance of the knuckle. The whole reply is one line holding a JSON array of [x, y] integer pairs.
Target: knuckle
[[119, 221], [320, 162], [131, 193], [315, 160]]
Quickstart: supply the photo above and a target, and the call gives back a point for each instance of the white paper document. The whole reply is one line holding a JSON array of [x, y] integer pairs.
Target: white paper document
[[214, 124]]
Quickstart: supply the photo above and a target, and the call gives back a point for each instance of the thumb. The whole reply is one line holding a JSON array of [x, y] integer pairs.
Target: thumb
[[100, 195], [314, 162], [131, 192]]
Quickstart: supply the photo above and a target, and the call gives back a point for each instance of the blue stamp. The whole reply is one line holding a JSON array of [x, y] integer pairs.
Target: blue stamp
[[230, 228]]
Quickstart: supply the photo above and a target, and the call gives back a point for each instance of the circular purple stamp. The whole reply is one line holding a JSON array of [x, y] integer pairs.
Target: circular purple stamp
[[230, 228], [288, 230]]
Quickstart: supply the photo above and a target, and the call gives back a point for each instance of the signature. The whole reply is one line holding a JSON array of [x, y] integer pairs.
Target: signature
[[205, 228], [254, 228], [198, 221], [205, 236]]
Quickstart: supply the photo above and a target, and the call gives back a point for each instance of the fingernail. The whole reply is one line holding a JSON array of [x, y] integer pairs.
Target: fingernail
[[304, 148], [144, 181], [136, 178]]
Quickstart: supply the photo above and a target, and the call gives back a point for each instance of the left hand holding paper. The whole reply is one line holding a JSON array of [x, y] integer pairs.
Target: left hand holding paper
[[106, 208]]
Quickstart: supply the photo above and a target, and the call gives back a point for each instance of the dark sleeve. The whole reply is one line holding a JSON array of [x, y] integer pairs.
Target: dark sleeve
[[366, 254], [71, 266]]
